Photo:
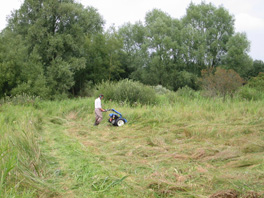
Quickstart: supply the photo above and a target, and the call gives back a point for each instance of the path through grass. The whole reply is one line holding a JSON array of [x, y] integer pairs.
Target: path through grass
[[190, 149]]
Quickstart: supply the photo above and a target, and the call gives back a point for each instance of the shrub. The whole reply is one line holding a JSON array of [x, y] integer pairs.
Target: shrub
[[159, 89], [184, 78], [254, 89], [127, 91], [87, 89], [257, 82], [107, 88], [220, 81], [248, 93], [187, 92]]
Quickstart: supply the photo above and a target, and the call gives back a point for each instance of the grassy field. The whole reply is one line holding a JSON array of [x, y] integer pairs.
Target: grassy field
[[180, 147]]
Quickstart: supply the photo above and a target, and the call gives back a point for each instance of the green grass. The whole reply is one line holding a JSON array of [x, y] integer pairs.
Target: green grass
[[179, 148]]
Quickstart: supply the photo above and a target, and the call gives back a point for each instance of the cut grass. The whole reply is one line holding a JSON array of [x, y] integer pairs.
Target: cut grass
[[191, 148], [185, 154]]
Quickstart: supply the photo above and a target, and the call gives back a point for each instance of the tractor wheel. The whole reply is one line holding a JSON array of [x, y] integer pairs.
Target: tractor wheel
[[120, 122]]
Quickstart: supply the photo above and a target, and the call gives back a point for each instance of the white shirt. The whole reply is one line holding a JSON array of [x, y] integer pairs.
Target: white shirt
[[97, 103]]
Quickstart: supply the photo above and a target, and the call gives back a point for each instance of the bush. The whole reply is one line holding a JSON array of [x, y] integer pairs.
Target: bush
[[127, 91], [254, 89], [248, 93], [220, 81], [184, 78], [159, 89], [187, 92], [107, 88], [87, 89], [257, 82]]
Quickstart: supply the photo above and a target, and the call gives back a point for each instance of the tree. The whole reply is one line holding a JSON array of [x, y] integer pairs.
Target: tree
[[258, 66], [212, 27], [220, 81], [31, 80], [237, 57], [257, 82], [54, 32], [158, 41], [133, 56], [113, 47], [12, 60], [177, 50], [102, 55]]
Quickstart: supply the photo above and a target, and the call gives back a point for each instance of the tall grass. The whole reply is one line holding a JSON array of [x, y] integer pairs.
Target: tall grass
[[182, 145], [22, 164]]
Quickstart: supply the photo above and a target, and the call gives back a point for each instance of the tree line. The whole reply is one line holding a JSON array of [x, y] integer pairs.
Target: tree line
[[59, 48]]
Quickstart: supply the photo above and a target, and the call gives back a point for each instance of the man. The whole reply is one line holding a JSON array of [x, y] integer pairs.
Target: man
[[98, 110]]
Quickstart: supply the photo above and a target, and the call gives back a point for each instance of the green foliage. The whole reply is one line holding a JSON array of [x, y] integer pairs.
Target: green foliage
[[102, 55], [134, 52], [128, 91], [113, 47], [12, 61], [209, 29], [175, 51], [50, 40], [249, 93], [187, 92], [220, 81], [254, 89], [237, 57], [161, 90], [257, 82], [54, 50], [258, 66], [184, 78]]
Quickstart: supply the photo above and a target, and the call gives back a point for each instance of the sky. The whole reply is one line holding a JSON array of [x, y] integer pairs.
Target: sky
[[248, 14]]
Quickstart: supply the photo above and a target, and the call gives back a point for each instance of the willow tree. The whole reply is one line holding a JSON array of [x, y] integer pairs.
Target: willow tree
[[237, 57], [212, 28], [53, 33]]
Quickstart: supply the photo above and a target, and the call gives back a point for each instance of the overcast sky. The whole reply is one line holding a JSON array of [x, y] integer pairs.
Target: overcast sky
[[249, 14]]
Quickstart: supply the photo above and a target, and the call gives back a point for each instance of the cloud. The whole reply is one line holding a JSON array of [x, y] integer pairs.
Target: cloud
[[246, 22]]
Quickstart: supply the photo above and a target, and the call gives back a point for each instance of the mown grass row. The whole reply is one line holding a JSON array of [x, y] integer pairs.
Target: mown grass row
[[180, 147], [191, 148]]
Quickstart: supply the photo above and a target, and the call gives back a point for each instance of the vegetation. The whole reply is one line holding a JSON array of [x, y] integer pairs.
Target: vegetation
[[184, 146], [254, 89], [127, 91], [178, 142], [56, 49], [220, 82], [23, 164]]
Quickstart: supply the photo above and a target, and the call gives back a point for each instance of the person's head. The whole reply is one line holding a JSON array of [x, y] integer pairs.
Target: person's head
[[101, 96]]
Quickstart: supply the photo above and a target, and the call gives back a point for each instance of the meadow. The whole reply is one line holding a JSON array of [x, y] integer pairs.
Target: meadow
[[179, 147]]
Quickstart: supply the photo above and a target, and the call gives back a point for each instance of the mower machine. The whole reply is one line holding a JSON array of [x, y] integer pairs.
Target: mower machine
[[116, 119]]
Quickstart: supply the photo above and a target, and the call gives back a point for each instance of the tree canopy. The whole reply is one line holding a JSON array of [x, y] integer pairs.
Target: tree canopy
[[56, 48]]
